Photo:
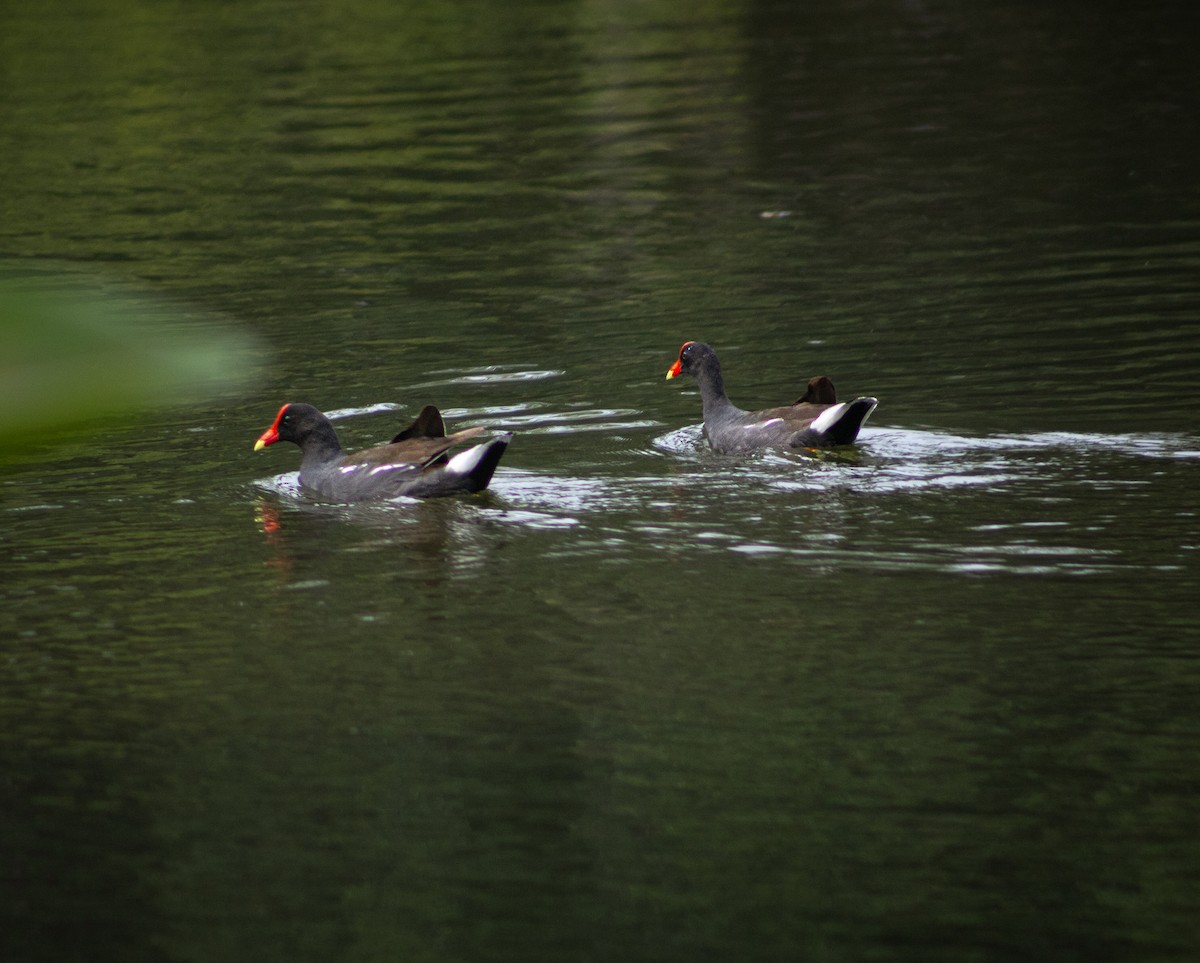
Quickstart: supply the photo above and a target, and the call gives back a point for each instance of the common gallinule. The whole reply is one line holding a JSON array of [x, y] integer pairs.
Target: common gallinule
[[415, 463], [816, 420]]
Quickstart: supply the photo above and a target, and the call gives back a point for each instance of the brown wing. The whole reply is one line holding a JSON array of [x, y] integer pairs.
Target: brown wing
[[797, 416], [424, 452]]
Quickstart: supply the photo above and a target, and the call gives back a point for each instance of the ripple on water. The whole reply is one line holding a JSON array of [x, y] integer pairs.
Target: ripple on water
[[1040, 491], [489, 374], [901, 499], [286, 485], [340, 414], [682, 441], [527, 418], [557, 422]]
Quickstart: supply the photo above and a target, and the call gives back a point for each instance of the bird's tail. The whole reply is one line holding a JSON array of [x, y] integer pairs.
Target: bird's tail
[[476, 465]]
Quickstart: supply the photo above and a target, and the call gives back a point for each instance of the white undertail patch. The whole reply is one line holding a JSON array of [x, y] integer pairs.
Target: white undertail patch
[[828, 417], [465, 461]]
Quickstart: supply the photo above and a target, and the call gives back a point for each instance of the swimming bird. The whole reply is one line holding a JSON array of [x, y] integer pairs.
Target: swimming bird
[[416, 462], [815, 420]]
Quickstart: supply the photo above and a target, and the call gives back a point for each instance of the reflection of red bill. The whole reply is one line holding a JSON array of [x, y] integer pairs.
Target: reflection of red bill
[[267, 518]]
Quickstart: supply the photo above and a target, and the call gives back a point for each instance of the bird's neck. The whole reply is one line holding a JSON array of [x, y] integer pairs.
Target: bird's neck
[[320, 447], [712, 390]]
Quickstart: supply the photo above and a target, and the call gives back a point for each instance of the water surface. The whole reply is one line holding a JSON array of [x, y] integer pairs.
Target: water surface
[[930, 698]]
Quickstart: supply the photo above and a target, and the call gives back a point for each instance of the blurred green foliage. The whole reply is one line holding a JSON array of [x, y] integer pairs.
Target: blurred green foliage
[[74, 349]]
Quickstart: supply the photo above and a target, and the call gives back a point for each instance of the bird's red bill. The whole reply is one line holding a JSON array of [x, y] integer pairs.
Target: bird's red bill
[[677, 368], [271, 435]]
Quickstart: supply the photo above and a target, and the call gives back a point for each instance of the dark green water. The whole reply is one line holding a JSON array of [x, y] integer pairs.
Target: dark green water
[[933, 700]]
